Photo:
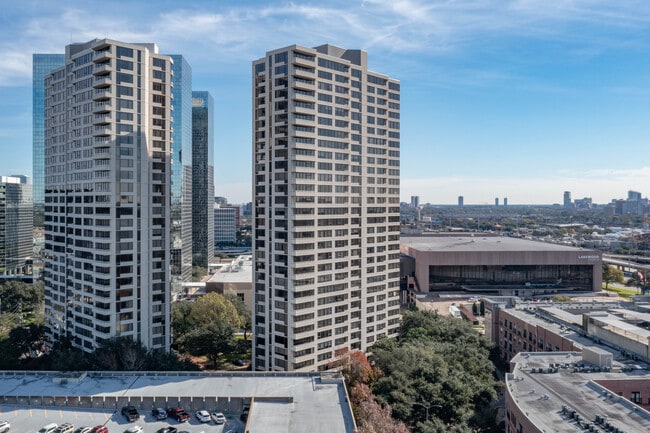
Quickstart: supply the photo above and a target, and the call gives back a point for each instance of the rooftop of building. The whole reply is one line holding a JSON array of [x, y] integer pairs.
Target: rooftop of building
[[288, 402], [240, 270], [469, 242], [542, 395]]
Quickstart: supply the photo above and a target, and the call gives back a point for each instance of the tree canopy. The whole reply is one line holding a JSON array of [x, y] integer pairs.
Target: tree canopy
[[438, 377]]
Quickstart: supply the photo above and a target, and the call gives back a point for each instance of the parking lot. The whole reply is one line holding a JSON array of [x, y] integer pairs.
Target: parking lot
[[30, 419]]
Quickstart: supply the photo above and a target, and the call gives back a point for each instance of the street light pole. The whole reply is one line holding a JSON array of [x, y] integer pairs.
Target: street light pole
[[437, 406]]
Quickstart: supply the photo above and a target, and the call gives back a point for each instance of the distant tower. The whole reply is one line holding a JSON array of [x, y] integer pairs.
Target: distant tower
[[505, 201], [16, 223], [461, 200], [567, 198], [415, 201], [496, 201]]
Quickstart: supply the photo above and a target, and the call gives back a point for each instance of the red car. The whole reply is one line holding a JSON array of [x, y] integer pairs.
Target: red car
[[178, 413], [99, 429]]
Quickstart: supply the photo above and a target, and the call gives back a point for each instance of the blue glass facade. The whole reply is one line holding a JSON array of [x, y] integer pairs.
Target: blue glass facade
[[181, 213], [42, 64]]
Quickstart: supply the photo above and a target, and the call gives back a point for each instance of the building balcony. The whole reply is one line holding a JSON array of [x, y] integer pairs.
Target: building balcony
[[104, 129], [102, 106], [300, 96], [102, 56], [99, 119], [103, 94], [103, 81]]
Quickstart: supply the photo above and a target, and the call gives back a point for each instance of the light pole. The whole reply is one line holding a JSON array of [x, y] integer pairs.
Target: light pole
[[437, 406]]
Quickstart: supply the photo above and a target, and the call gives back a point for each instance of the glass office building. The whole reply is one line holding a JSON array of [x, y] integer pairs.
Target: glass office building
[[181, 230], [202, 178], [42, 64]]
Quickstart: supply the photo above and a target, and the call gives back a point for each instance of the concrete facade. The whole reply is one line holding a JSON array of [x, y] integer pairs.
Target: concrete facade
[[500, 265], [107, 195], [326, 152], [16, 224]]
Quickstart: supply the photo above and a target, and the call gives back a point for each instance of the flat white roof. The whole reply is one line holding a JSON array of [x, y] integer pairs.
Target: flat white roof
[[319, 403], [467, 243]]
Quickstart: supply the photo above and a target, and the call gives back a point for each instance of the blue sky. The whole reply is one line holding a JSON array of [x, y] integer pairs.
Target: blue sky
[[520, 99]]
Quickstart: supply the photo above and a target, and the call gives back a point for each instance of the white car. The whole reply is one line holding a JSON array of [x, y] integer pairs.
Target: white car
[[4, 426], [134, 429], [218, 417], [202, 415]]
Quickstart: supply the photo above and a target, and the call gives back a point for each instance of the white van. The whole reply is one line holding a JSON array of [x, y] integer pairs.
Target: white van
[[48, 428]]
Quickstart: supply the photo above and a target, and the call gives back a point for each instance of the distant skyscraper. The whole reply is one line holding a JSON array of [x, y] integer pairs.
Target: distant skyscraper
[[202, 178], [16, 223], [415, 200], [496, 201], [633, 196], [567, 199], [181, 190], [326, 144], [107, 195], [505, 201], [225, 224], [42, 64], [461, 200]]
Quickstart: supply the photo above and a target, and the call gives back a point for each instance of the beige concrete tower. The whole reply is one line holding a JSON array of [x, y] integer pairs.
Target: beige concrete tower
[[326, 206], [107, 194]]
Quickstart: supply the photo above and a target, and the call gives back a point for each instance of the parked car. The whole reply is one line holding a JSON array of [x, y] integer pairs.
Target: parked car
[[134, 429], [178, 413], [202, 415], [50, 428], [99, 429], [169, 429], [4, 426], [159, 413], [244, 414], [218, 417], [130, 413], [83, 429], [65, 428]]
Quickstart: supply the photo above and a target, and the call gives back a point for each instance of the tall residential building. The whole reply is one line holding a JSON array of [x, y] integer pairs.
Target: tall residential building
[[16, 224], [415, 200], [461, 201], [567, 199], [225, 224], [42, 64], [326, 147], [202, 178], [107, 194], [181, 189]]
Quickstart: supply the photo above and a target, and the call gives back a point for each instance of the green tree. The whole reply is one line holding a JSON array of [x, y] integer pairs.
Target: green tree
[[244, 312], [612, 274], [214, 308], [198, 273], [18, 296], [439, 363], [211, 340], [181, 323]]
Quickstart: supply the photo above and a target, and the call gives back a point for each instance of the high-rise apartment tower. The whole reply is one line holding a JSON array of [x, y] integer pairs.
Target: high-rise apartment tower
[[326, 144], [107, 194], [202, 178], [16, 224]]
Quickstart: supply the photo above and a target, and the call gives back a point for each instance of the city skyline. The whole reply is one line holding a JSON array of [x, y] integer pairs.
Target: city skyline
[[500, 99]]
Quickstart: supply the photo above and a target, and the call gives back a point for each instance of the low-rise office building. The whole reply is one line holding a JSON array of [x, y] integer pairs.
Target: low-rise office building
[[498, 265], [569, 392], [234, 278]]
